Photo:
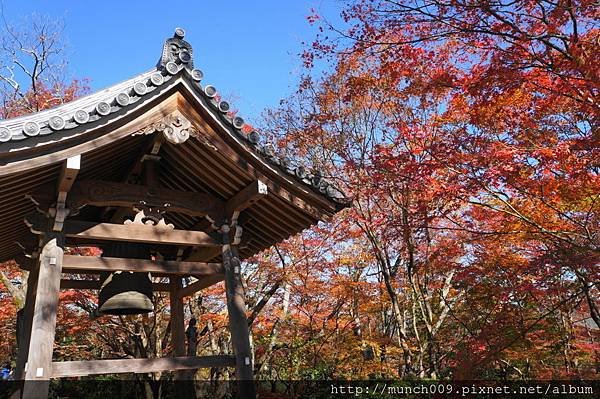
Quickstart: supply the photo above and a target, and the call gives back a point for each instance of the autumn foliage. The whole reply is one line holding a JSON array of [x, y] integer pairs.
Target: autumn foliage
[[467, 135]]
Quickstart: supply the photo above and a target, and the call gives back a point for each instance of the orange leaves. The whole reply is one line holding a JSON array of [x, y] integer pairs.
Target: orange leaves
[[467, 137], [43, 97]]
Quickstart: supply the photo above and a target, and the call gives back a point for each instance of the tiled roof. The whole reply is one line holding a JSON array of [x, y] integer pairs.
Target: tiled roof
[[176, 61]]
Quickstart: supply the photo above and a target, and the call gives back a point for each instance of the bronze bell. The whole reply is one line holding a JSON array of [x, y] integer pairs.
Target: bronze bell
[[125, 293]]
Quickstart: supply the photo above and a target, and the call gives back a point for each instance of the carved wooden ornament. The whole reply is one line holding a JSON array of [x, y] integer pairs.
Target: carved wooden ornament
[[148, 220], [175, 127]]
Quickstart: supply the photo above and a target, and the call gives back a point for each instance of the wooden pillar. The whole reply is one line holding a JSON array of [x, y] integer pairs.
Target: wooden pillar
[[24, 324], [43, 324], [238, 324], [183, 389], [177, 322]]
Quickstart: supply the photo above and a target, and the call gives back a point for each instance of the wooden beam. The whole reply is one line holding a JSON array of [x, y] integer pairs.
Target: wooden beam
[[126, 232], [138, 233], [201, 284], [67, 284], [104, 193], [78, 264], [71, 284], [243, 199], [116, 366]]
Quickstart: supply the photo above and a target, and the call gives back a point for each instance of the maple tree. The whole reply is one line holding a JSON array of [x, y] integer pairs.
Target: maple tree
[[467, 135]]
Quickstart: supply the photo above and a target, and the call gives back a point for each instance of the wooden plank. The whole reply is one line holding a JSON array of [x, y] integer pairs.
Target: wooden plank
[[75, 263], [126, 232], [117, 366], [41, 344], [201, 284], [68, 284]]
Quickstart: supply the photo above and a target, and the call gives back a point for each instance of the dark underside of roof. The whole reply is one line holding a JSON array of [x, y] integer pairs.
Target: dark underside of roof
[[188, 167]]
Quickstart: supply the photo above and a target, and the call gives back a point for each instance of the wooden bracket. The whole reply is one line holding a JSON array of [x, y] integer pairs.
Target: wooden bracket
[[68, 174], [244, 199]]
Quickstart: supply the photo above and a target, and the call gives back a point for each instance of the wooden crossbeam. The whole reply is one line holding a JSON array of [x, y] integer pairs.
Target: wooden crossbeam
[[201, 284], [130, 233], [79, 264], [103, 193], [66, 284], [117, 366]]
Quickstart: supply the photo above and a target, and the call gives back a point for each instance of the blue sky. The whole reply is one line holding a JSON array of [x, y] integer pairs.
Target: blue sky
[[247, 49]]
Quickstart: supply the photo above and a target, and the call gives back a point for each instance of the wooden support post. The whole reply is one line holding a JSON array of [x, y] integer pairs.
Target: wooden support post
[[192, 337], [24, 325], [178, 334], [238, 324], [177, 322], [39, 360]]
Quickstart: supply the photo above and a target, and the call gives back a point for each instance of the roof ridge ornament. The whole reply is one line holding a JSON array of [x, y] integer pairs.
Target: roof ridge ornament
[[177, 51]]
